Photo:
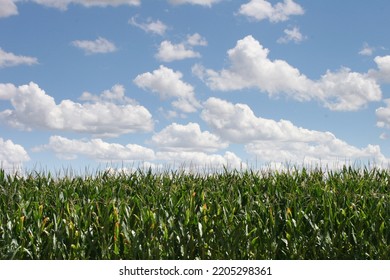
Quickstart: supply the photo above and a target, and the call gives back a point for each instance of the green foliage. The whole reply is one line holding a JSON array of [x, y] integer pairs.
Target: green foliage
[[296, 214]]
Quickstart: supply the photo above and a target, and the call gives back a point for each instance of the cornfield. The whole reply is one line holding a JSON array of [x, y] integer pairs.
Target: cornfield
[[293, 214]]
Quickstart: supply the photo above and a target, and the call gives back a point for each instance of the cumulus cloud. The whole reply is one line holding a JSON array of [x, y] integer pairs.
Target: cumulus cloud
[[8, 8], [382, 74], [262, 9], [238, 124], [100, 45], [168, 84], [367, 50], [207, 3], [346, 91], [99, 150], [8, 59], [199, 160], [196, 40], [176, 137], [383, 115], [333, 154], [34, 109], [63, 4], [291, 35], [114, 95], [280, 141], [96, 149], [12, 156], [188, 146], [168, 51], [150, 26], [250, 67]]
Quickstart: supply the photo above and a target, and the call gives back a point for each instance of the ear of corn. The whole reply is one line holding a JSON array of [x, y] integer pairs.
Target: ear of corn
[[296, 214]]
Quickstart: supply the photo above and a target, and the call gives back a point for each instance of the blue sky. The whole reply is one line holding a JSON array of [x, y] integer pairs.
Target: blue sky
[[85, 84]]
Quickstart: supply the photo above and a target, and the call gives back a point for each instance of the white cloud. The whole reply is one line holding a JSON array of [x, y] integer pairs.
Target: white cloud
[[168, 52], [251, 68], [96, 149], [262, 9], [8, 8], [150, 26], [12, 156], [115, 95], [383, 72], [171, 114], [293, 35], [63, 4], [168, 84], [333, 154], [198, 160], [196, 40], [99, 150], [346, 91], [238, 124], [34, 109], [9, 59], [280, 141], [207, 3], [100, 45], [367, 50], [176, 137], [383, 115]]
